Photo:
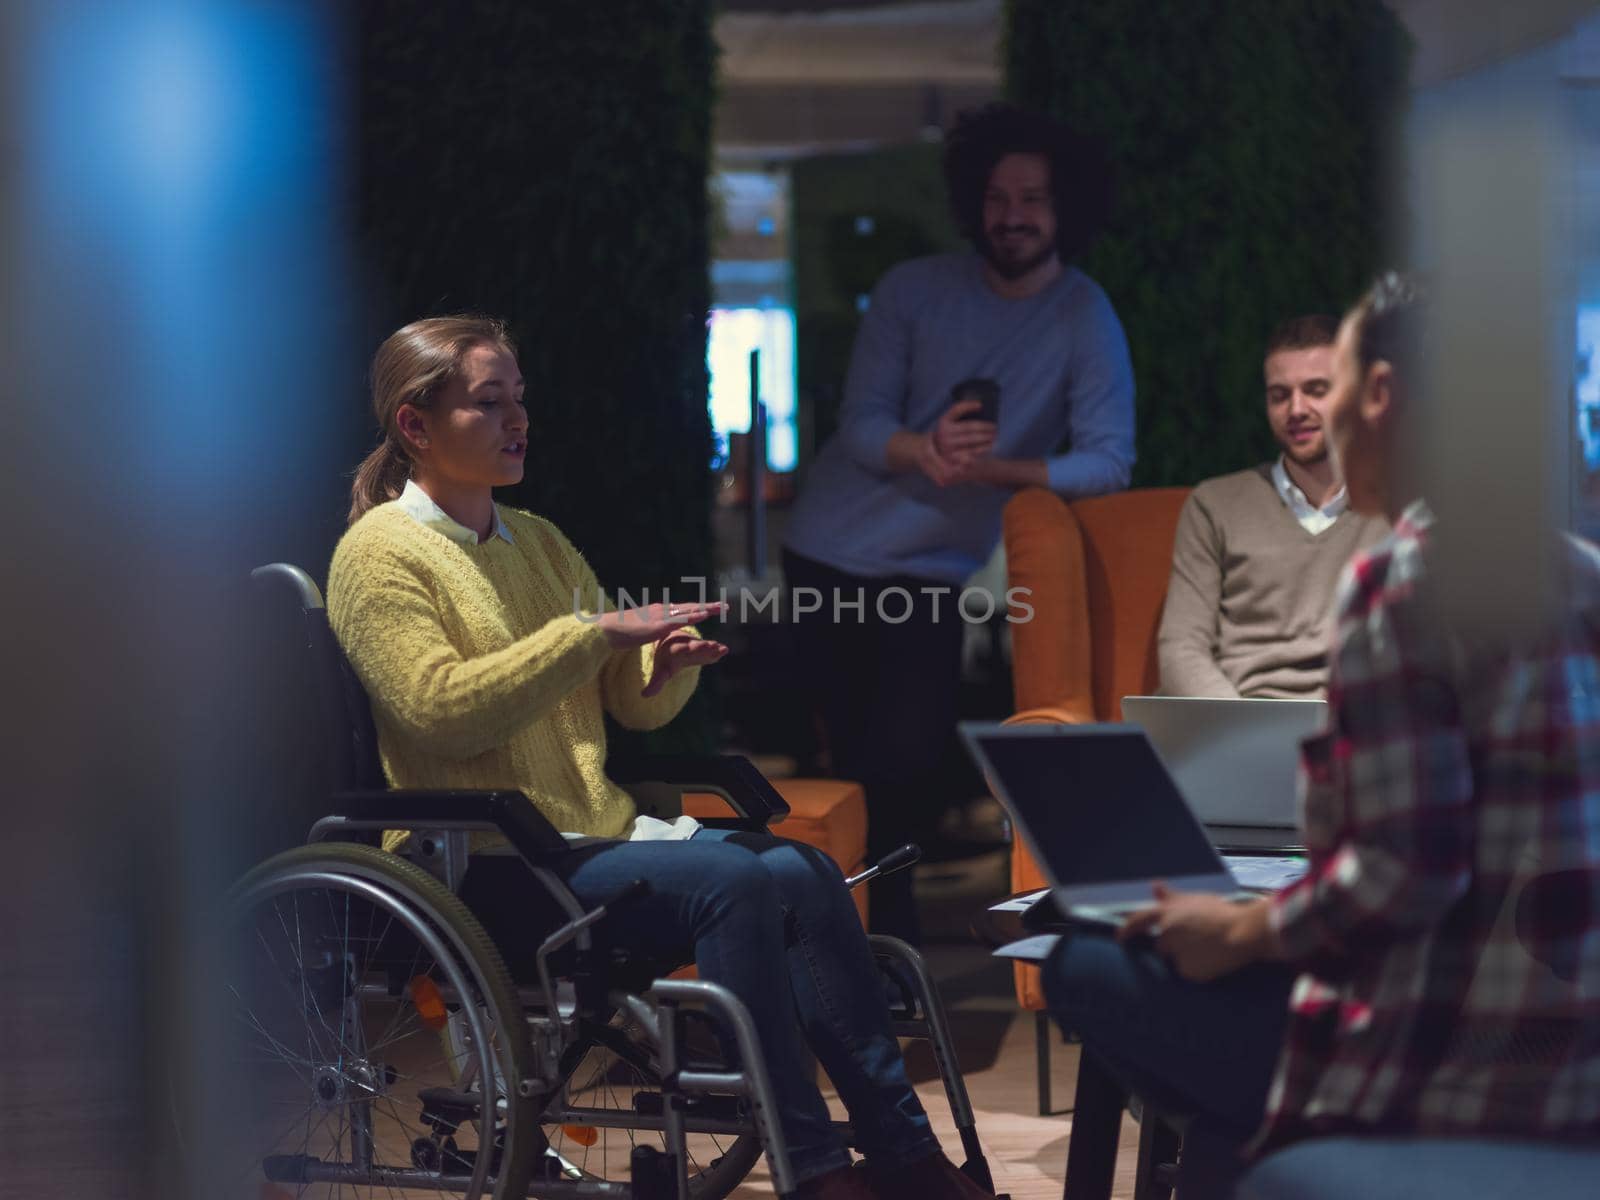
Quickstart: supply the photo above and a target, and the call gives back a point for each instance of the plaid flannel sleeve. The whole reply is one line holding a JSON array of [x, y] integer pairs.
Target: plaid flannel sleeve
[[1398, 783]]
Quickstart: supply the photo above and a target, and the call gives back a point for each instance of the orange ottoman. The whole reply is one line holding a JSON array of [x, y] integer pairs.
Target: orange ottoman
[[830, 814]]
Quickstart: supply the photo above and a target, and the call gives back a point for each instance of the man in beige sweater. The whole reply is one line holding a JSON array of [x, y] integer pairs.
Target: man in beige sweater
[[1258, 552]]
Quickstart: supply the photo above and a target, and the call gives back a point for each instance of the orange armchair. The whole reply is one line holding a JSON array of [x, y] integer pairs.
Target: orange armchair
[[1096, 572]]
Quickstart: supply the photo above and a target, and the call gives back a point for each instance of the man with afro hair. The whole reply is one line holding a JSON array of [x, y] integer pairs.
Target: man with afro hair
[[974, 374]]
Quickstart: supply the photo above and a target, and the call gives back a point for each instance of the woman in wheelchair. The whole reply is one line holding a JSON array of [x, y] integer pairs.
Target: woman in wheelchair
[[482, 638]]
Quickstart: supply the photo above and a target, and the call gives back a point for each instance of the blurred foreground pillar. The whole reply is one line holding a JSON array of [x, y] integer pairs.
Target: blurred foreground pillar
[[1492, 161], [170, 291]]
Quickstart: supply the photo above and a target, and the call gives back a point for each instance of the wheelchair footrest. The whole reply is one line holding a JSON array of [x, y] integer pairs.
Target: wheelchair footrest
[[652, 1174], [449, 1107]]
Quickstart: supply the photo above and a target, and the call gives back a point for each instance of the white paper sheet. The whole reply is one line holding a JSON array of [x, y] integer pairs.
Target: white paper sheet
[[1018, 904], [1265, 872], [1030, 949]]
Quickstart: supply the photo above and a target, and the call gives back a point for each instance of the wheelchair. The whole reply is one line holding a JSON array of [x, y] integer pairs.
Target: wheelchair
[[380, 1046]]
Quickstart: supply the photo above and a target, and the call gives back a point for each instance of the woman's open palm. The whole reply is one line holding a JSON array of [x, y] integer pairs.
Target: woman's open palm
[[678, 651]]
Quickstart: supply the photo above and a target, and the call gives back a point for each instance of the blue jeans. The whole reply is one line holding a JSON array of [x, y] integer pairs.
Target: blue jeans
[[1203, 1049], [771, 921]]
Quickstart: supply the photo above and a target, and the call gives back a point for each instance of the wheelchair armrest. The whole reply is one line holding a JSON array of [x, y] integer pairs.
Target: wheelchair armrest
[[524, 826], [731, 776]]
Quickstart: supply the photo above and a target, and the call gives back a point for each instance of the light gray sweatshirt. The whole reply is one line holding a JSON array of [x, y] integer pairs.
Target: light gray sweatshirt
[[1062, 365]]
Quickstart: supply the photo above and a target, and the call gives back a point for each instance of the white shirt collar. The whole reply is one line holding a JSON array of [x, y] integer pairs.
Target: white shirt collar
[[420, 506], [1312, 520]]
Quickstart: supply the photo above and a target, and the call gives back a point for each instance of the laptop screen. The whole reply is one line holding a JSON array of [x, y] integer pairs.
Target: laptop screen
[[1235, 761], [1095, 804]]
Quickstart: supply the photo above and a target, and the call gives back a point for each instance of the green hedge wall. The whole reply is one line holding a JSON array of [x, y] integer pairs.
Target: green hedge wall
[[547, 162], [900, 189], [1251, 140]]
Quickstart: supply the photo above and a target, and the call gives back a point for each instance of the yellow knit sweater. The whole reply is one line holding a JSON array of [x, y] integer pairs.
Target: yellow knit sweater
[[481, 673]]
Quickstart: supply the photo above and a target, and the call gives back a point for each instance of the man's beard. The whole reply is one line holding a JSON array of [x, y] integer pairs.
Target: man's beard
[[1015, 268], [1304, 459]]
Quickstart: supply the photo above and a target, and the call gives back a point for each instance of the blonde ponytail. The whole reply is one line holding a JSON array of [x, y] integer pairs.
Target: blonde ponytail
[[381, 477], [410, 368]]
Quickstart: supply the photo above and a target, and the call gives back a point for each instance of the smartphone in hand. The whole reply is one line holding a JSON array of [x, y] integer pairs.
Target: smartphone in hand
[[985, 391]]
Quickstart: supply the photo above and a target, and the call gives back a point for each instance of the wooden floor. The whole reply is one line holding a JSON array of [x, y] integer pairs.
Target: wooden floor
[[1027, 1153], [995, 1041]]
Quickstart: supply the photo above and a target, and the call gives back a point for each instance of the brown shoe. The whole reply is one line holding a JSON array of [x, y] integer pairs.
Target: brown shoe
[[841, 1183], [932, 1178]]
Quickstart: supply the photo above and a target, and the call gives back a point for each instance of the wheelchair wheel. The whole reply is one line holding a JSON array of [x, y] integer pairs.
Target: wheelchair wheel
[[344, 966], [613, 1086]]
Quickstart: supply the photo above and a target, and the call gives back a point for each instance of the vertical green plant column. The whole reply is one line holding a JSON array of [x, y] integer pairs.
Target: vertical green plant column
[[1251, 143], [855, 216], [547, 163]]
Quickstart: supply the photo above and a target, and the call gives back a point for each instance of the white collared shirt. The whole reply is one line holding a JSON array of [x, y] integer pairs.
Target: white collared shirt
[[420, 506], [1312, 520]]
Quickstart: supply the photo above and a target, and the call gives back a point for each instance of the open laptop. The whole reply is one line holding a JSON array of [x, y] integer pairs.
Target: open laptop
[[1234, 761], [1100, 813]]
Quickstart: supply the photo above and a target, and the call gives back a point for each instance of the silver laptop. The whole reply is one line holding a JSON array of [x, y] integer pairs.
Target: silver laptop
[[1235, 761], [1100, 814]]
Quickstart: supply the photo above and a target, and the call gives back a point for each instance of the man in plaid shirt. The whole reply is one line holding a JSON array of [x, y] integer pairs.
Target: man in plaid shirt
[[1438, 968]]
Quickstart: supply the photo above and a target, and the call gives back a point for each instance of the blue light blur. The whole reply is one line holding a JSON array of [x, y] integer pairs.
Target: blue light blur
[[177, 188]]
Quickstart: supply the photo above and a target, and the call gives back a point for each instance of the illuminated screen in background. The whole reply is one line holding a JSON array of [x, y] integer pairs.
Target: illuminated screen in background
[[734, 333], [1587, 387]]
